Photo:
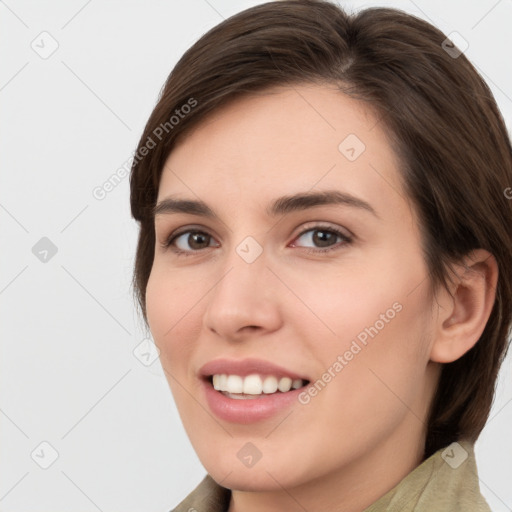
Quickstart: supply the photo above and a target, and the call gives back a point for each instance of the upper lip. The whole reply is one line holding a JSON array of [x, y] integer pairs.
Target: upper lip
[[244, 367]]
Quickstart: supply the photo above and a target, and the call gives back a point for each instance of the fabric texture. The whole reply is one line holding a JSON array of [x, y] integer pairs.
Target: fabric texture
[[445, 482]]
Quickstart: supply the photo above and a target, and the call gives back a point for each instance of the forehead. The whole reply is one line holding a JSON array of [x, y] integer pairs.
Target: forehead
[[287, 140]]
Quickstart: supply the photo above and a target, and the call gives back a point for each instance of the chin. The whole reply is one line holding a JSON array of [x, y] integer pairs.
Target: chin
[[262, 476], [250, 480]]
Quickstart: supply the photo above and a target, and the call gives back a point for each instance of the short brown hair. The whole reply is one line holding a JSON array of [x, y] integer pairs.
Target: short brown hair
[[446, 129]]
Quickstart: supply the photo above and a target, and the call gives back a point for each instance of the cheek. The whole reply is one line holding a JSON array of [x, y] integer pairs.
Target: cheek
[[157, 303], [338, 304], [170, 311], [386, 377], [376, 318]]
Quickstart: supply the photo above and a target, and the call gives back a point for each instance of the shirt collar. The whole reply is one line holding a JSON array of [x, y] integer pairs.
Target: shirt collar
[[447, 481]]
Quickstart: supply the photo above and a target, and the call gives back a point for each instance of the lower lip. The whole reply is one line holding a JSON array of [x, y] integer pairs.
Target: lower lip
[[248, 410]]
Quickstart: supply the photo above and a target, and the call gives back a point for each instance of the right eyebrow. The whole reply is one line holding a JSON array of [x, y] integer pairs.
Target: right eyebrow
[[170, 205]]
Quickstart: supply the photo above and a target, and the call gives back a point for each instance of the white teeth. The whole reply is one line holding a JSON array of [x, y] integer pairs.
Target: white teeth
[[254, 384], [285, 384], [235, 384], [270, 385], [297, 383]]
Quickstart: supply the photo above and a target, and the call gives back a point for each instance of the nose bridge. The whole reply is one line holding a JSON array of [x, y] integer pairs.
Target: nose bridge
[[242, 296], [244, 271]]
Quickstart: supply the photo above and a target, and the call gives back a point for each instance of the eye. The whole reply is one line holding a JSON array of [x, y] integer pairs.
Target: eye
[[324, 237], [193, 241], [188, 242]]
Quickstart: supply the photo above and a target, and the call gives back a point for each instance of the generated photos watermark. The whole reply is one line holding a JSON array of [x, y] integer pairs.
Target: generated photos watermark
[[355, 348], [101, 191]]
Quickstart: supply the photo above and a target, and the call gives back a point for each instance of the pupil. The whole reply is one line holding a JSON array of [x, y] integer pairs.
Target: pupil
[[196, 238], [326, 236]]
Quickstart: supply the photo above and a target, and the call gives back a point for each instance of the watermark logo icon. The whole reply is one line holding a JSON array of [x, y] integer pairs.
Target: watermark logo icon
[[44, 455], [351, 147], [454, 45], [146, 352], [454, 455], [249, 455], [45, 45], [44, 250], [249, 249]]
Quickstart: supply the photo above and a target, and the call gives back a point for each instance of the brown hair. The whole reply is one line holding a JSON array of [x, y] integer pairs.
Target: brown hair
[[442, 119]]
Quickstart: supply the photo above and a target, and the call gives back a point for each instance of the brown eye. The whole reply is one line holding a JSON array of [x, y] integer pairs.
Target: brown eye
[[323, 237], [197, 240], [188, 242]]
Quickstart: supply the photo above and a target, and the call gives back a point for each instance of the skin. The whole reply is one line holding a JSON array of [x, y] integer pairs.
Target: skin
[[365, 431]]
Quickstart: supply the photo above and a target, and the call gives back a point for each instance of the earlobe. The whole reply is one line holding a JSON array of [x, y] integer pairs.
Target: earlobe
[[462, 317]]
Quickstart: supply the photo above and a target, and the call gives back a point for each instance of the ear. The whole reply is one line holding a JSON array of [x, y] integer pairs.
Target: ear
[[461, 319]]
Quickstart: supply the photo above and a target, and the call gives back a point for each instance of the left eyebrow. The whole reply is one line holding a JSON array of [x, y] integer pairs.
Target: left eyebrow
[[280, 206], [303, 201]]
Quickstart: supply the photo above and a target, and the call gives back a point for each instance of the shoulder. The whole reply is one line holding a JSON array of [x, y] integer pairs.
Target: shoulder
[[445, 482]]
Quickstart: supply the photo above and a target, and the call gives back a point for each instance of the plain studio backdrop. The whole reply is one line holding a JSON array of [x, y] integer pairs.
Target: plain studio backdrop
[[87, 423]]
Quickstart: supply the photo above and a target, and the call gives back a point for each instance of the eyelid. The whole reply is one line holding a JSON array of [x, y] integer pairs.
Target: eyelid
[[319, 224], [184, 229]]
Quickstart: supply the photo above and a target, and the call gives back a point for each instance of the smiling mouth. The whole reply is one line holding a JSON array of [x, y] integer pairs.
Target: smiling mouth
[[254, 385]]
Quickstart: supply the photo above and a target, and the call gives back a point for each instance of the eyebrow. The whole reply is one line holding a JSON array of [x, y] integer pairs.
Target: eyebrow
[[280, 206]]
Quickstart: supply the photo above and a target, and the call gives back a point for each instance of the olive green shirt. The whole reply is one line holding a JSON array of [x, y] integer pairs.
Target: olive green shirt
[[445, 482]]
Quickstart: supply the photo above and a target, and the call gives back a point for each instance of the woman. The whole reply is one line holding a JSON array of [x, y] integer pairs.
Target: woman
[[324, 259]]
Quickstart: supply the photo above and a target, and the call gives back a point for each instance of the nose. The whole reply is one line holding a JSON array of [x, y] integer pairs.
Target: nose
[[245, 300]]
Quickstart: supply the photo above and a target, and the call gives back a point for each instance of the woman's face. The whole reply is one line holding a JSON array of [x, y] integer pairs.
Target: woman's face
[[273, 281]]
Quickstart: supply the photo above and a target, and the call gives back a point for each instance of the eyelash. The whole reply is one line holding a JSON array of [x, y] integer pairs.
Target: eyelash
[[346, 240]]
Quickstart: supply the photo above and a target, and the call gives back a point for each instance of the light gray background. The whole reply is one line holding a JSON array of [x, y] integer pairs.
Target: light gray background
[[68, 375]]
